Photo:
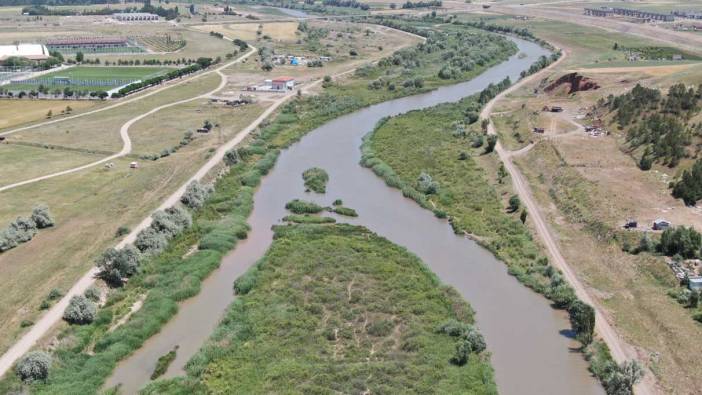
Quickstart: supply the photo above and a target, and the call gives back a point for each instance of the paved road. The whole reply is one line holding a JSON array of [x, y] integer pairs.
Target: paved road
[[620, 350]]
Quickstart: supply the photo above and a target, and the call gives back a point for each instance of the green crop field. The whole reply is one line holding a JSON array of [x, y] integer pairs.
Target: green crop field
[[92, 77]]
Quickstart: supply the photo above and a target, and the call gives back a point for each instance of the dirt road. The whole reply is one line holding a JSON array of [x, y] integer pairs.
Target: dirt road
[[55, 313], [124, 129], [620, 350]]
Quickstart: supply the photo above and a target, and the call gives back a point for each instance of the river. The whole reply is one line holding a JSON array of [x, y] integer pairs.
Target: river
[[531, 350]]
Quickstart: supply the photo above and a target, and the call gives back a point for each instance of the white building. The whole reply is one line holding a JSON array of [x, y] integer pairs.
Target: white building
[[27, 51], [283, 83]]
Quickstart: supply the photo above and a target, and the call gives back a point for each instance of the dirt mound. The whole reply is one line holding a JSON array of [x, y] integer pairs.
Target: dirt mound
[[575, 83]]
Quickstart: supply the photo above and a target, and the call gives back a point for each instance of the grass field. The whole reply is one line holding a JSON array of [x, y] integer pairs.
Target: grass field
[[95, 77], [100, 131], [588, 186], [19, 112], [20, 162], [284, 31], [322, 284]]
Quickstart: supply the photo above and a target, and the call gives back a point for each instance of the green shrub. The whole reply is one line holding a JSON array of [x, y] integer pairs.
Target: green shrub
[[80, 311], [315, 179], [34, 366], [42, 217], [195, 194], [349, 212], [298, 206]]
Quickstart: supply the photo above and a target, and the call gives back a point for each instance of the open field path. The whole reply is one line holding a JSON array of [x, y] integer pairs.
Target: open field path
[[620, 350], [55, 313], [124, 129]]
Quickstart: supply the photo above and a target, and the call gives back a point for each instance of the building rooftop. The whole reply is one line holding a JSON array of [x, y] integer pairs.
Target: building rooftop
[[284, 79], [87, 40], [28, 51]]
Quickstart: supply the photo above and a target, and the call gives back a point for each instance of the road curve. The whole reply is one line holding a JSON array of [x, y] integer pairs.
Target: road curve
[[620, 350], [124, 130], [55, 313]]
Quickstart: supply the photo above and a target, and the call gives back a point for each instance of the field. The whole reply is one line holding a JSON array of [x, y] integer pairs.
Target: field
[[90, 78], [322, 283], [587, 186], [280, 31], [19, 112], [92, 204]]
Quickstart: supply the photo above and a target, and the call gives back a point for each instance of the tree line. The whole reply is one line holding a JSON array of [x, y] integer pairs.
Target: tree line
[[202, 63]]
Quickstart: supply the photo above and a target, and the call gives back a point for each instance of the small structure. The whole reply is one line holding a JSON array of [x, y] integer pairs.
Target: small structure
[[631, 224], [556, 109], [283, 83], [694, 283], [203, 130], [661, 224], [134, 165], [539, 130], [677, 57]]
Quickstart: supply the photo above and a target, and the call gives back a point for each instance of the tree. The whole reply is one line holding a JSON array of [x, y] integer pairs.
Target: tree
[[582, 319], [501, 173], [195, 194], [79, 57], [116, 265], [42, 217], [491, 142], [514, 203], [34, 366], [49, 114], [231, 157], [80, 310], [523, 216], [682, 240]]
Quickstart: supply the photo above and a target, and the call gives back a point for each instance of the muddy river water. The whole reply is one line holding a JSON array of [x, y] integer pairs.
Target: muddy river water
[[528, 340]]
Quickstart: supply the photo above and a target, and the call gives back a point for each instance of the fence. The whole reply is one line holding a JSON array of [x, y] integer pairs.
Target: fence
[[74, 82]]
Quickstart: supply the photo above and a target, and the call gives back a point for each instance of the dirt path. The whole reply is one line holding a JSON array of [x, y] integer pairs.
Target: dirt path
[[620, 350], [124, 129], [55, 313]]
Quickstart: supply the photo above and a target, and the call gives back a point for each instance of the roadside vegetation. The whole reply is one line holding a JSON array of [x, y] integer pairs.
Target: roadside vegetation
[[323, 284], [168, 273], [433, 157]]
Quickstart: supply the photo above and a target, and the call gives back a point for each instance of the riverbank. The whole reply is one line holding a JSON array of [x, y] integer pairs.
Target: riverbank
[[309, 318], [92, 352], [446, 164]]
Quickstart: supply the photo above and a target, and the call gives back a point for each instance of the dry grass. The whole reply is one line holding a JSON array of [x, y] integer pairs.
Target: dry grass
[[19, 162], [283, 31], [18, 112]]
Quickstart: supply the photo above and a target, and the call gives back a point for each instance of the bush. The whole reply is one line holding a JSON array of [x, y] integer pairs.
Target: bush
[[172, 221], [349, 212], [491, 142], [195, 194], [298, 206], [231, 157], [514, 203], [42, 217], [426, 185], [80, 311], [34, 366], [150, 241], [21, 230], [116, 265], [121, 231], [315, 179], [93, 294]]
